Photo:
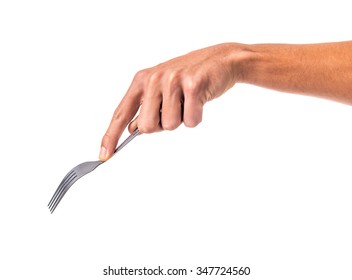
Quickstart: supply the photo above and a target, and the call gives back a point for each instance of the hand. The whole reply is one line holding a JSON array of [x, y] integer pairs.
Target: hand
[[176, 91], [173, 92]]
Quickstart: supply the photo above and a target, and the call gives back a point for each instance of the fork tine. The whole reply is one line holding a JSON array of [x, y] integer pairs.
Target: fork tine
[[63, 182], [61, 190], [64, 190], [68, 182]]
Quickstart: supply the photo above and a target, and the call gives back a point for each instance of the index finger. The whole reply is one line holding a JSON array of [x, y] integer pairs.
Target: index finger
[[123, 114]]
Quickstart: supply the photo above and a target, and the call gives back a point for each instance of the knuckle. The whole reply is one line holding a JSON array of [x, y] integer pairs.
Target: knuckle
[[155, 77], [152, 84], [120, 117], [140, 75], [192, 85], [173, 79]]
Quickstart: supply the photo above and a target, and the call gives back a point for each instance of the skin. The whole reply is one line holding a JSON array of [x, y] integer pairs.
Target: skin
[[175, 91]]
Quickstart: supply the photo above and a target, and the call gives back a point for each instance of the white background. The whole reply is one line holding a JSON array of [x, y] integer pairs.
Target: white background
[[265, 181]]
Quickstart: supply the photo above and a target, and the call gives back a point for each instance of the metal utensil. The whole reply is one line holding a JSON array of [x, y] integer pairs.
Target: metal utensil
[[79, 171]]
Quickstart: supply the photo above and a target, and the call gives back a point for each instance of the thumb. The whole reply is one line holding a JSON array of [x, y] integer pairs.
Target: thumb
[[133, 125]]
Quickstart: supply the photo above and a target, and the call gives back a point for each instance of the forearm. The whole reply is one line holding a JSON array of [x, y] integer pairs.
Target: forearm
[[321, 70]]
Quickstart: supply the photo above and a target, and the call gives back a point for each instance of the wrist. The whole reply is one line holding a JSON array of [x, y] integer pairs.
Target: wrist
[[244, 59]]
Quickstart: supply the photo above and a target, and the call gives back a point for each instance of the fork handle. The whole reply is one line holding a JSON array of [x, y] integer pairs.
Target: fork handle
[[128, 140]]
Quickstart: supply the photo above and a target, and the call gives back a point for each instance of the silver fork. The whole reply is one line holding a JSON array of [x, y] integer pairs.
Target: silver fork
[[78, 172]]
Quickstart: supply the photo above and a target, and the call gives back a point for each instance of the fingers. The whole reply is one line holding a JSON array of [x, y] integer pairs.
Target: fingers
[[193, 111], [122, 116], [172, 106], [149, 116], [193, 104], [164, 99], [177, 106]]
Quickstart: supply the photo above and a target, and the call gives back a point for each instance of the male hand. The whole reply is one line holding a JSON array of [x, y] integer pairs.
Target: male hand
[[173, 92]]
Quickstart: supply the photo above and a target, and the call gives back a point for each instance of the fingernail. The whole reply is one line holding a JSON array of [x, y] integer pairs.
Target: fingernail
[[102, 154]]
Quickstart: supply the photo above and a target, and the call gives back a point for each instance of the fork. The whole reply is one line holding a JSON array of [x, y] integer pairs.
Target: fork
[[79, 171]]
